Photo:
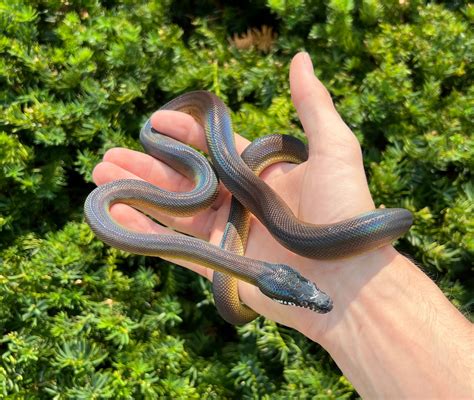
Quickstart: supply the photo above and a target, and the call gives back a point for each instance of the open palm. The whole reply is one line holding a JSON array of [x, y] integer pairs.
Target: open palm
[[329, 187]]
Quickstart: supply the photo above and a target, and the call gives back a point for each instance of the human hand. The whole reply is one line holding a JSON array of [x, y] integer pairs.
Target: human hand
[[329, 187], [391, 331]]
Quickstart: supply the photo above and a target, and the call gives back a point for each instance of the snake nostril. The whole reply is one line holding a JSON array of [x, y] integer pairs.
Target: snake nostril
[[328, 304]]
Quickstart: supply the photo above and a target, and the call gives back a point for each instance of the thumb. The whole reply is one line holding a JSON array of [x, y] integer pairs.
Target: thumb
[[325, 129], [335, 171]]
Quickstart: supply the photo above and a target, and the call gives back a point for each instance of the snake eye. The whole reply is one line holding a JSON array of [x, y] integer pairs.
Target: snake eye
[[286, 286]]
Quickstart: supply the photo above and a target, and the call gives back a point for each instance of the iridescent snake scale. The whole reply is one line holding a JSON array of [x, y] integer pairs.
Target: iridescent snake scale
[[250, 194]]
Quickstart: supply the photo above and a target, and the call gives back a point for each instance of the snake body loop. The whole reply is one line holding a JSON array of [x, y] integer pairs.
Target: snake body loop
[[280, 282]]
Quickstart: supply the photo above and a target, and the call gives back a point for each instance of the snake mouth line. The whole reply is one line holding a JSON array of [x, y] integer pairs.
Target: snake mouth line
[[286, 303], [309, 306]]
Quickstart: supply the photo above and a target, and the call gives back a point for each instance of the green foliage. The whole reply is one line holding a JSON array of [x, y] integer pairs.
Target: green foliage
[[80, 320]]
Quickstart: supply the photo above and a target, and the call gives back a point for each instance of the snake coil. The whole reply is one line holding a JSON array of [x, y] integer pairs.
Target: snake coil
[[250, 195]]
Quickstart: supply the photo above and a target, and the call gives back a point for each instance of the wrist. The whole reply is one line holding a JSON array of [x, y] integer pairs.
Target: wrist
[[388, 329]]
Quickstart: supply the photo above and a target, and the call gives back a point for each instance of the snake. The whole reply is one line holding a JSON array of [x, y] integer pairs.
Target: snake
[[251, 196]]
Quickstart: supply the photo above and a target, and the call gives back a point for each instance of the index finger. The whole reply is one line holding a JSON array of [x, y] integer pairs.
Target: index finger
[[184, 128]]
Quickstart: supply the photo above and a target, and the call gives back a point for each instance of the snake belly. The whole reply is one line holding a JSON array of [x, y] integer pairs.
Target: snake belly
[[278, 281]]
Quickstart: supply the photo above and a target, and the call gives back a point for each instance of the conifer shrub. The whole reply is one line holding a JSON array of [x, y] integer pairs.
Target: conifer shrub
[[80, 320]]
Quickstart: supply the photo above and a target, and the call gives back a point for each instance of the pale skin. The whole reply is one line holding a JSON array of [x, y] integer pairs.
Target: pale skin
[[392, 331]]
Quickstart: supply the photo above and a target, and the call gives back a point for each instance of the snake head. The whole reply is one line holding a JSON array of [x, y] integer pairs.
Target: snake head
[[286, 286]]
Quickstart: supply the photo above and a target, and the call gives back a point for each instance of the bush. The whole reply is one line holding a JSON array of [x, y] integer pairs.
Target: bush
[[81, 320]]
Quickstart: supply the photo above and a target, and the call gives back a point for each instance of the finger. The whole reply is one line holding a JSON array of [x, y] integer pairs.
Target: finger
[[186, 129], [322, 124], [198, 225], [136, 221], [137, 165], [134, 164], [335, 166], [183, 127]]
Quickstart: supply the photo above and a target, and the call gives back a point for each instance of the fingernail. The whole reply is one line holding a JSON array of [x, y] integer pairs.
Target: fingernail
[[308, 65]]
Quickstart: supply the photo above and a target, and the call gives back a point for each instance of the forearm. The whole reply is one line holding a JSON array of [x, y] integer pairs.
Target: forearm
[[399, 337]]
